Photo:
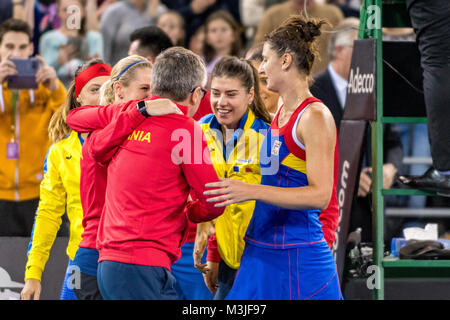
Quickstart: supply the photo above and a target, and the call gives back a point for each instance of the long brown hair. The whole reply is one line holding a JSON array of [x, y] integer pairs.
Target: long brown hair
[[58, 128], [236, 46], [233, 67]]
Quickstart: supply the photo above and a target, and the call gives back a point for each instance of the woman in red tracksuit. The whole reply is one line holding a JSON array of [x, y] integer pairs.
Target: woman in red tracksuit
[[130, 79]]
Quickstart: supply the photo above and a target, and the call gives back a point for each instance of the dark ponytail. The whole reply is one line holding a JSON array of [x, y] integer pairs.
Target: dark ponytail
[[297, 35]]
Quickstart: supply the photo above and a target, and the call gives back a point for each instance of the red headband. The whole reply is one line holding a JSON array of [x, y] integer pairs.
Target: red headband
[[97, 70]]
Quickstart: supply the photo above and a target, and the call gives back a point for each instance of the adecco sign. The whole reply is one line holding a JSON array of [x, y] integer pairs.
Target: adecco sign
[[359, 108], [360, 83], [361, 90]]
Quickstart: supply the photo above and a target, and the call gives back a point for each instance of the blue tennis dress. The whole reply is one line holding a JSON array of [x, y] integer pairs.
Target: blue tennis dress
[[286, 256]]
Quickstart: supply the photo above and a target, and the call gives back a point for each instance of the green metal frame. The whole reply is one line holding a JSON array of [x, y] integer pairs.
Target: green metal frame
[[395, 15]]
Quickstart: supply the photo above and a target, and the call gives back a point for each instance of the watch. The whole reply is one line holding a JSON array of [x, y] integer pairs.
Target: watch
[[142, 109]]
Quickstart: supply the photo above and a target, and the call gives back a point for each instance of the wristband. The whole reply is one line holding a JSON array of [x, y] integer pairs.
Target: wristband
[[142, 109]]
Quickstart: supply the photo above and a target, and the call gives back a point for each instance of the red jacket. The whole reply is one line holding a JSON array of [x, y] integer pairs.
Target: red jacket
[[203, 109], [110, 125], [149, 180]]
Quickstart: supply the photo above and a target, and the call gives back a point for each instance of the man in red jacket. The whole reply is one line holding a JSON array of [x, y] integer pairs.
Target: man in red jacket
[[143, 225]]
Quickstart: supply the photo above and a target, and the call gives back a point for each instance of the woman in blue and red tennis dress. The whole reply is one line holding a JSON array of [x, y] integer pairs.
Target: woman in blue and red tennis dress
[[286, 255]]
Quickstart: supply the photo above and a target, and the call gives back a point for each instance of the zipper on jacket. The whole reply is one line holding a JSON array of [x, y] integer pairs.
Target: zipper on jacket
[[16, 174]]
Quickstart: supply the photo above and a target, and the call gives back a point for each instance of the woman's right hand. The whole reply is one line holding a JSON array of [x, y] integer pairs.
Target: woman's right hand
[[32, 289]]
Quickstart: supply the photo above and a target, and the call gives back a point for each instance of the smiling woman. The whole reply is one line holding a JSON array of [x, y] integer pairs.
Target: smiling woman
[[285, 237], [234, 134]]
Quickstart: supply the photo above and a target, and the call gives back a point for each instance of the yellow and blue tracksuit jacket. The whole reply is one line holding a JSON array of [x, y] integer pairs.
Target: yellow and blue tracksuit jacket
[[238, 159], [59, 191]]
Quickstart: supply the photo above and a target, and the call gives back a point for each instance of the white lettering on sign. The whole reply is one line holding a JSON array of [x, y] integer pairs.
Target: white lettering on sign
[[360, 83]]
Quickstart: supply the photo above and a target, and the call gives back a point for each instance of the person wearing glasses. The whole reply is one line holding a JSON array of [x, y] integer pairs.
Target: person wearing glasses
[[150, 177]]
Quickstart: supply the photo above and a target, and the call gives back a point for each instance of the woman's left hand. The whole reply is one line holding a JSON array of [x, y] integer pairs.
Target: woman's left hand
[[231, 191]]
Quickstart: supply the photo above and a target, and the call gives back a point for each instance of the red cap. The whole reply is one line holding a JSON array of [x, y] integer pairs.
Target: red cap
[[97, 70]]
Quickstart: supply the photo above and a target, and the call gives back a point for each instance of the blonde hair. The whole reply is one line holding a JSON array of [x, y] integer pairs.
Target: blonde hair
[[118, 74], [57, 127]]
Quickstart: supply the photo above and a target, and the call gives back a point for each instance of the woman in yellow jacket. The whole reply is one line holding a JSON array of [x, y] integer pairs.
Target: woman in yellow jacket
[[234, 133], [60, 188]]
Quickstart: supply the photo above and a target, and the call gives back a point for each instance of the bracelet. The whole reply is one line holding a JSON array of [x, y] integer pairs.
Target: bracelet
[[15, 3], [142, 109]]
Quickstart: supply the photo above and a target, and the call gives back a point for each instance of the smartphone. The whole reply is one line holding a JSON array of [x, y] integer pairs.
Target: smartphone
[[26, 74]]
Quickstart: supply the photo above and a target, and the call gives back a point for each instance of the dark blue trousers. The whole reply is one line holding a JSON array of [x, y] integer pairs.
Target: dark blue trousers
[[123, 281]]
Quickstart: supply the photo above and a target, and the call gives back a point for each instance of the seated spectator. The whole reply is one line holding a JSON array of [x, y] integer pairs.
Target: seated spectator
[[222, 38], [195, 12], [173, 24], [279, 12], [21, 169], [120, 19], [148, 42], [68, 46]]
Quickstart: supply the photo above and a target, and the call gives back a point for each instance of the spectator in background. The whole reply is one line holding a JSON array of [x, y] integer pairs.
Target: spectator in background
[[148, 42], [120, 19], [278, 13], [40, 15], [197, 41], [222, 38], [6, 9], [195, 12], [331, 87], [25, 116], [73, 42], [173, 25]]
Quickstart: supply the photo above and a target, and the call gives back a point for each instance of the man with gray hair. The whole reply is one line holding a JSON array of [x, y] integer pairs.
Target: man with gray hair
[[144, 221], [176, 74]]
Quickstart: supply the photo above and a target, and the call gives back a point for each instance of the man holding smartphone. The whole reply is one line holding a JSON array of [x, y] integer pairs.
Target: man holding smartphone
[[24, 117]]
